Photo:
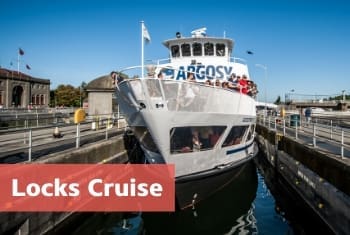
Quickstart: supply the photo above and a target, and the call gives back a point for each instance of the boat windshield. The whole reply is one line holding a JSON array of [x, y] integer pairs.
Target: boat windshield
[[194, 138], [198, 49]]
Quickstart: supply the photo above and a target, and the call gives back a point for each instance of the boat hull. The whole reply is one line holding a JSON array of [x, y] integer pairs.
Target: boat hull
[[191, 189]]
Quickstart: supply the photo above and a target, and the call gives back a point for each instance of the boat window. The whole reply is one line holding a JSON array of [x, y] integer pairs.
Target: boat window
[[175, 51], [235, 136], [220, 49], [194, 138], [208, 48], [145, 138], [186, 49], [197, 49]]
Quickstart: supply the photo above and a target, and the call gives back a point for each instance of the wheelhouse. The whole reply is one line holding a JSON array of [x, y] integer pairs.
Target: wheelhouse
[[199, 45]]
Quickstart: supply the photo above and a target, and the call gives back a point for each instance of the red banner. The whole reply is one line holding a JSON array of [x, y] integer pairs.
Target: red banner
[[87, 187]]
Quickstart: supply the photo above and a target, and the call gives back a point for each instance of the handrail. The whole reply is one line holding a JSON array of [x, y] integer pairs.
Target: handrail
[[315, 131], [22, 145]]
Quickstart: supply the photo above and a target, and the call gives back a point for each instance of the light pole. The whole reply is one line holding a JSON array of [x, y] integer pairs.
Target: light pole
[[79, 96], [290, 95], [264, 67]]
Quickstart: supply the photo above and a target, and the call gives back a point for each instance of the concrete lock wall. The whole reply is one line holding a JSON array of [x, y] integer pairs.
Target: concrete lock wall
[[320, 179], [110, 151], [100, 103]]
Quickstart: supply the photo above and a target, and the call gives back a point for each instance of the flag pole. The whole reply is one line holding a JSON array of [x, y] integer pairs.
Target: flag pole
[[142, 46], [18, 62]]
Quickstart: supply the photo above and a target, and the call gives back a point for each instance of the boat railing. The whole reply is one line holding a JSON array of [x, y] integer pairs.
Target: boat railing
[[330, 135], [163, 61], [238, 60], [182, 95], [174, 95], [168, 60]]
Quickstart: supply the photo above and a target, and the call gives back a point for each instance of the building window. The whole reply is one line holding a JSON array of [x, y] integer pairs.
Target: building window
[[42, 100]]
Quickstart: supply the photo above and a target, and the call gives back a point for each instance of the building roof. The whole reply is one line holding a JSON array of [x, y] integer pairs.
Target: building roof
[[103, 83], [15, 75]]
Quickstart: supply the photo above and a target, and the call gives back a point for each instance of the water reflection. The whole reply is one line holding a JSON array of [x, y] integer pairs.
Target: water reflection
[[245, 206], [225, 212]]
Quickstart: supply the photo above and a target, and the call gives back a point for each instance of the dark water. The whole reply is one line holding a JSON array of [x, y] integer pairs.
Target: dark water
[[246, 206]]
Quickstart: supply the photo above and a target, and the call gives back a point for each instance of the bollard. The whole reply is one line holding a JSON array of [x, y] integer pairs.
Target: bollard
[[284, 127], [57, 133], [77, 143], [93, 126], [331, 130]]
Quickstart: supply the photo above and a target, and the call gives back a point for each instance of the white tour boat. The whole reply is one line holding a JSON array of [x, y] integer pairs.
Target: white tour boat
[[202, 126]]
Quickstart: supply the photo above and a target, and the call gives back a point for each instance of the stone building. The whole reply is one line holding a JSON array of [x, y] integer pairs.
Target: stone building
[[101, 96], [19, 90]]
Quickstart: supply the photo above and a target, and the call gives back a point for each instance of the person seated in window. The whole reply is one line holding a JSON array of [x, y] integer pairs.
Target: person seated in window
[[195, 141], [236, 141], [204, 136], [214, 137]]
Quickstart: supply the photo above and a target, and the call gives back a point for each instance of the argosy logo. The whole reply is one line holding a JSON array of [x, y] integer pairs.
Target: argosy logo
[[201, 72]]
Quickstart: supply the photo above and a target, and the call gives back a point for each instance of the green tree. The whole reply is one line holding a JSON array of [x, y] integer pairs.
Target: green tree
[[83, 93], [52, 98], [278, 100], [67, 95]]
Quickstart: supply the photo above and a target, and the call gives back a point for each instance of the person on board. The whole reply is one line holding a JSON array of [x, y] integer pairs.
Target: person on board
[[308, 116], [190, 77], [116, 78], [243, 83], [160, 76], [196, 143], [208, 82]]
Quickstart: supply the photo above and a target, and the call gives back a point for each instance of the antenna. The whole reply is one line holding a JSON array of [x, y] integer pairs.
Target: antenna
[[201, 32]]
